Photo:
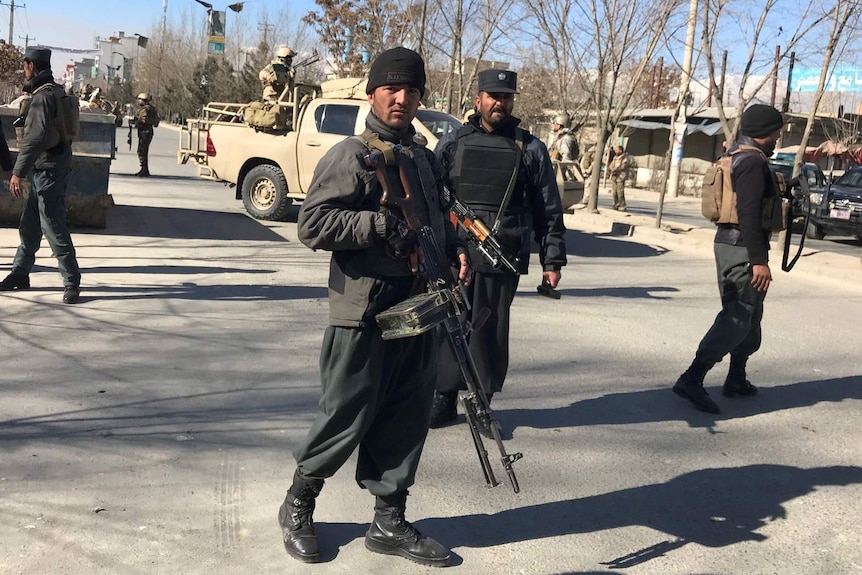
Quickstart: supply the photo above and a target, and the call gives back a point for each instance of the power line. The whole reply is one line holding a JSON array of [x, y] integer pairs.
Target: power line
[[27, 39], [12, 7]]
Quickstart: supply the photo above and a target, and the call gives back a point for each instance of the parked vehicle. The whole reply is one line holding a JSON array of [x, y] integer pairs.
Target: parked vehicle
[[816, 182], [272, 167], [837, 210]]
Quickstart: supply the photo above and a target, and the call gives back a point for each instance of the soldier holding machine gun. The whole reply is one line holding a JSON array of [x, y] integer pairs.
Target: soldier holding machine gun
[[376, 392], [504, 175]]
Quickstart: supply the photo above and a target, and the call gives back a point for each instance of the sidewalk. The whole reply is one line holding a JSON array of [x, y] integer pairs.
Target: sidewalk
[[683, 227]]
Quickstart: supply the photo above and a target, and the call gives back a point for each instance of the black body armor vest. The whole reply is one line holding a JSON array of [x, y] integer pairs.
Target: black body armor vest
[[483, 167]]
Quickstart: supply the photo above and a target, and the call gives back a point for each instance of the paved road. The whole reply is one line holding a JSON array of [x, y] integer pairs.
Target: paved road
[[148, 430], [686, 210]]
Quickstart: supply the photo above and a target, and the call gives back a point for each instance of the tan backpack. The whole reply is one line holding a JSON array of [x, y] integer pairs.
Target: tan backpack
[[718, 199]]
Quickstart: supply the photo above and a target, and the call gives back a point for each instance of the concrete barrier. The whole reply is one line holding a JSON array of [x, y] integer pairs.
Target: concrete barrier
[[87, 198]]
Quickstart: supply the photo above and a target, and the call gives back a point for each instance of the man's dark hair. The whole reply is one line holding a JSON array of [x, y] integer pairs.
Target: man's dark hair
[[40, 65]]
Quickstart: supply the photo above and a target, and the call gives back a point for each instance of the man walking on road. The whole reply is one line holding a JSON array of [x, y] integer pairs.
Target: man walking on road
[[505, 175], [376, 393], [44, 158], [741, 257]]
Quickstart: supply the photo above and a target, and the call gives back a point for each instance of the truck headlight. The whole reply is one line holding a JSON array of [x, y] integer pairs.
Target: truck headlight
[[815, 198]]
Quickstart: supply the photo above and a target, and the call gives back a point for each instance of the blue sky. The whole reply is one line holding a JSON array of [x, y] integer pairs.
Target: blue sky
[[75, 23]]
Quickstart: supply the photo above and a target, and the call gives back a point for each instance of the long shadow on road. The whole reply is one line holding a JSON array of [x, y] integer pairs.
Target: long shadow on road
[[585, 245], [656, 405], [183, 223], [699, 507]]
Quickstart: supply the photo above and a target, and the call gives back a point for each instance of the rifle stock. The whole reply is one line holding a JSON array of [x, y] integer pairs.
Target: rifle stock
[[476, 405]]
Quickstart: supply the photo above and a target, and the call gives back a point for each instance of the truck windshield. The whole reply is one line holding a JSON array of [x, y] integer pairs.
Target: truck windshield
[[438, 123]]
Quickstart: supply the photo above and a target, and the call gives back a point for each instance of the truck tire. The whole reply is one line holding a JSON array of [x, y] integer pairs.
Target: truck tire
[[814, 232], [264, 193]]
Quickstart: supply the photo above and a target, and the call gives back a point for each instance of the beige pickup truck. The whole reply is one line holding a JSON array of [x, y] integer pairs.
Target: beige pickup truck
[[271, 168]]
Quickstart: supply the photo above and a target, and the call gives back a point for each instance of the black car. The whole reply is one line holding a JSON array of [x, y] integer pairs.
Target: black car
[[814, 175], [837, 210]]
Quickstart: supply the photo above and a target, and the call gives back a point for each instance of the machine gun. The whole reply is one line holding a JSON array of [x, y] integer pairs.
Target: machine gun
[[787, 205], [313, 59], [448, 303], [480, 236]]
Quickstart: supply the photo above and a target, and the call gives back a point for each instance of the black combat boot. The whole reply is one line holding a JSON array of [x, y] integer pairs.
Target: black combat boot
[[444, 408], [391, 534], [689, 386], [736, 384], [15, 282], [295, 518]]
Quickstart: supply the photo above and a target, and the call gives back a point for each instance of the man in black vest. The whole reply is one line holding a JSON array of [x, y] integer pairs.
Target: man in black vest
[[505, 175]]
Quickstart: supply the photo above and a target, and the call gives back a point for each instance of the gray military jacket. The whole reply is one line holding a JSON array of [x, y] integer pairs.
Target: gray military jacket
[[34, 152], [341, 215]]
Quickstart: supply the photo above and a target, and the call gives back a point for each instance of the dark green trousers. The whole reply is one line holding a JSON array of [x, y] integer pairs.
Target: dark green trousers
[[45, 213], [736, 329], [489, 344], [376, 395]]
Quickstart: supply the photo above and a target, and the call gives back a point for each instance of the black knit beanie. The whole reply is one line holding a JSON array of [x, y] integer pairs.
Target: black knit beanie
[[760, 120], [397, 66]]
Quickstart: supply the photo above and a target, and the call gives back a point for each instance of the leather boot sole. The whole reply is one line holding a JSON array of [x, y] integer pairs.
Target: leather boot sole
[[385, 548], [305, 558]]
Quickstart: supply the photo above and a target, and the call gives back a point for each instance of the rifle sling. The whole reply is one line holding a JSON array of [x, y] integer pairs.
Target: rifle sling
[[507, 197]]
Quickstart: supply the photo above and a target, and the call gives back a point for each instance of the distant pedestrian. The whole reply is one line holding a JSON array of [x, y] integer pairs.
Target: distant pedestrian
[[742, 261], [146, 119], [619, 171], [45, 159]]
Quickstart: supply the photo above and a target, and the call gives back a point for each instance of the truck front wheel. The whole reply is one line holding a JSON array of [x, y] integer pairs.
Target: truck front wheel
[[264, 193]]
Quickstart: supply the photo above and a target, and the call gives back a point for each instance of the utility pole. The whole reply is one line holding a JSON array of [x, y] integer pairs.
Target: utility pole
[[775, 75], [12, 7], [265, 27], [27, 39], [679, 123]]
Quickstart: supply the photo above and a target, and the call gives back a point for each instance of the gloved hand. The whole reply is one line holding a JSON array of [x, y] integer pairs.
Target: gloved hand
[[395, 232]]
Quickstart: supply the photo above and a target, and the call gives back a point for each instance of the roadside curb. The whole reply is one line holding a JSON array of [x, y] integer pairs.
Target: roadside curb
[[843, 269]]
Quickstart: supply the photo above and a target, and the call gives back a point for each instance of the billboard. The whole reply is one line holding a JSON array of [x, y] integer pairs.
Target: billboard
[[840, 80], [215, 33]]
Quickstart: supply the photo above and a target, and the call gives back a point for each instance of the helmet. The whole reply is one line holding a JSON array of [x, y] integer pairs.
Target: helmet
[[284, 52], [562, 119], [144, 96]]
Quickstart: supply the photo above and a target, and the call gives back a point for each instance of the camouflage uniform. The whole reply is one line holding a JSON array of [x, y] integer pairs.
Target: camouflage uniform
[[145, 120], [619, 169], [275, 77]]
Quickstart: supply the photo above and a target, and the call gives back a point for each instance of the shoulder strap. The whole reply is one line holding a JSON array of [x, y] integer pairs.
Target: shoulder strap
[[373, 140], [507, 197]]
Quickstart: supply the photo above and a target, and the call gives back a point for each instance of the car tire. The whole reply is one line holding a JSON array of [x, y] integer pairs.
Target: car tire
[[264, 193], [814, 231]]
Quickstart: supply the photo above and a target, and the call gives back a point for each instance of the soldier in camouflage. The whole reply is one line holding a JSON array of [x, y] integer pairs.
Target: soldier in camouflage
[[145, 120], [278, 75]]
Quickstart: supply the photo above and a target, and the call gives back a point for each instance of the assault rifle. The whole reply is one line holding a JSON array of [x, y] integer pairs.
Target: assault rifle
[[397, 196], [484, 239], [131, 124]]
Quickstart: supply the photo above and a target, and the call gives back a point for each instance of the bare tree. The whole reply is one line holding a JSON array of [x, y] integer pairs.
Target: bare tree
[[609, 44], [845, 13], [719, 15], [459, 35]]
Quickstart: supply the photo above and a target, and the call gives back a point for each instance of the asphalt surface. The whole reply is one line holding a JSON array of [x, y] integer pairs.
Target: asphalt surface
[[149, 429]]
